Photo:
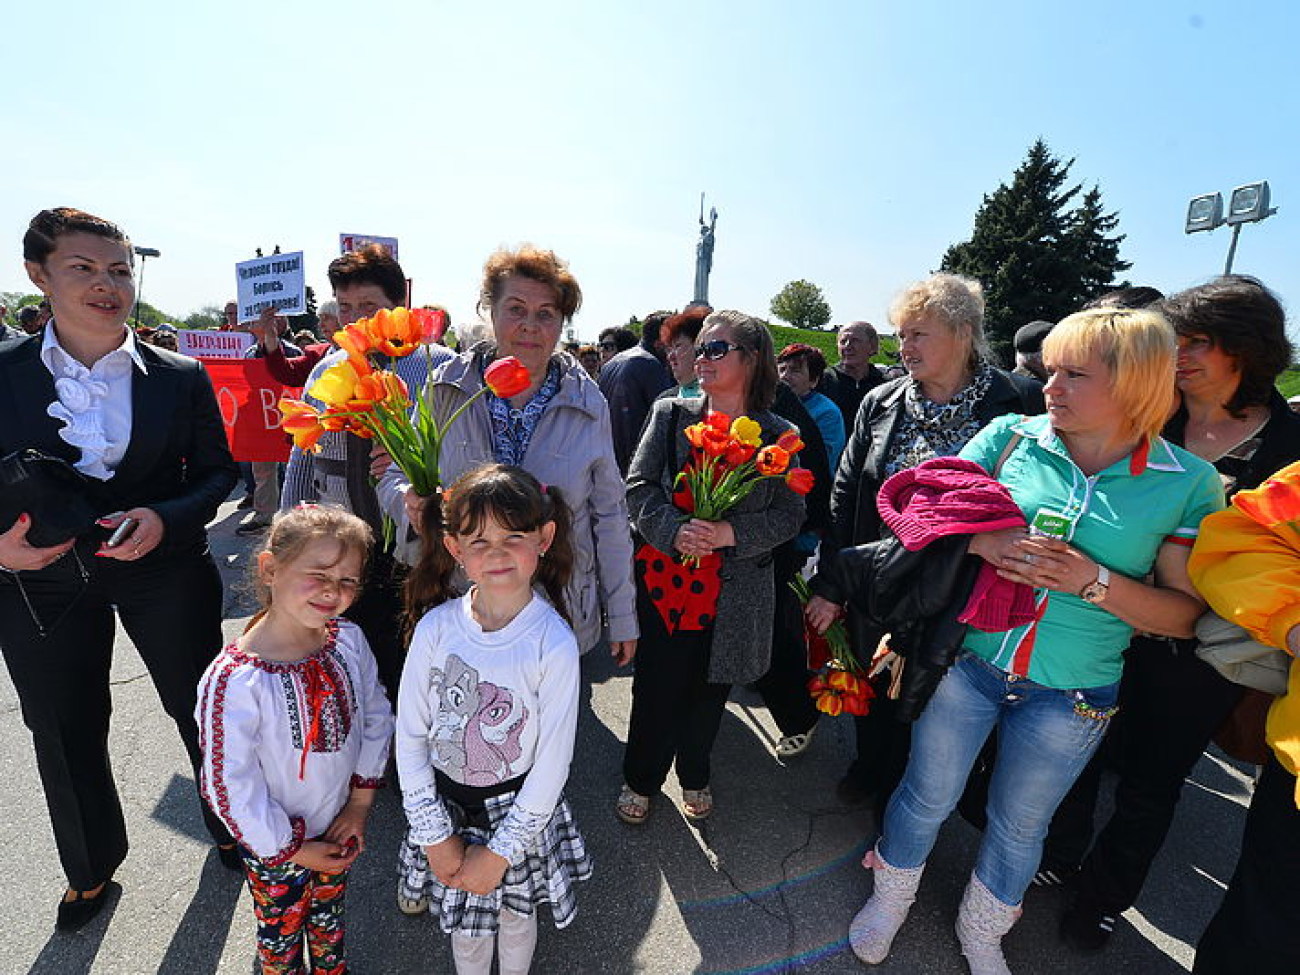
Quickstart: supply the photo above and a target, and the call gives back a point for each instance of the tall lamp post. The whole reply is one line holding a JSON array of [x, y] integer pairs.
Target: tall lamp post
[[145, 253], [1248, 204]]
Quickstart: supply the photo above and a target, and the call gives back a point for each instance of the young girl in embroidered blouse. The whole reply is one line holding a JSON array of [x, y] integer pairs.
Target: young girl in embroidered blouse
[[295, 731], [486, 718]]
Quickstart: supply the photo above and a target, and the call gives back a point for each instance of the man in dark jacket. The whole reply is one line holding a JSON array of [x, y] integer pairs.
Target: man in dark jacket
[[854, 375], [631, 381]]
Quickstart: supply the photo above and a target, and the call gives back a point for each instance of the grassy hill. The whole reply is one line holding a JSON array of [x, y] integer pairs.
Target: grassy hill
[[783, 335], [1289, 382]]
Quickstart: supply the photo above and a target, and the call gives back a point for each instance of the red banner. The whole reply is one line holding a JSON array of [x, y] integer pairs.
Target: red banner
[[247, 396]]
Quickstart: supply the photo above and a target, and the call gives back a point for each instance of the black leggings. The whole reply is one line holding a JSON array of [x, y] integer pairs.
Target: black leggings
[[676, 712]]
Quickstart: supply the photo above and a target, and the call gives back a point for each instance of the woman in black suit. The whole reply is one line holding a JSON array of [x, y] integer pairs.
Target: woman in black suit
[[143, 424]]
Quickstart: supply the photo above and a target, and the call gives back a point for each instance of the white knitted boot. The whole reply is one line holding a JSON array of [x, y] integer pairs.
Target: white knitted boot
[[981, 923], [872, 932]]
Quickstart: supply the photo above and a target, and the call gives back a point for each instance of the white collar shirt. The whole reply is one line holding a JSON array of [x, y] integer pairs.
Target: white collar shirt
[[93, 403]]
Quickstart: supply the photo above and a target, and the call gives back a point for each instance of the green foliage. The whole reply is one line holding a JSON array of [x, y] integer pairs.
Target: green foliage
[[147, 316], [783, 335], [802, 304], [1037, 257], [209, 316], [309, 320], [1288, 383]]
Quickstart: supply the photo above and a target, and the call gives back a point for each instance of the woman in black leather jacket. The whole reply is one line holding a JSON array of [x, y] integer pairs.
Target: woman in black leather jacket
[[949, 394]]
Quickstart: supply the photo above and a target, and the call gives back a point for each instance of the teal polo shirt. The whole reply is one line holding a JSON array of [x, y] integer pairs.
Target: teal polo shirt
[[1119, 517]]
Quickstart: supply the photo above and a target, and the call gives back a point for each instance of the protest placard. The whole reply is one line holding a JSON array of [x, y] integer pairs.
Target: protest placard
[[205, 344], [247, 396], [276, 281], [351, 242]]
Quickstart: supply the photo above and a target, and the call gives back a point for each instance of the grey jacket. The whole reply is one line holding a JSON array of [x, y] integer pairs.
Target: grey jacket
[[572, 449], [741, 650]]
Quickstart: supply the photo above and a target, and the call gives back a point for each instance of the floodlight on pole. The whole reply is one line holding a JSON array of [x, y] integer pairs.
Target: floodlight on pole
[[1249, 203], [145, 253]]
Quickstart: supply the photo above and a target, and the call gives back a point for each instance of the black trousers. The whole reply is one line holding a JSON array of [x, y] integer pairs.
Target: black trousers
[[1170, 706], [883, 746], [676, 712], [170, 607], [379, 613], [785, 685], [1257, 928]]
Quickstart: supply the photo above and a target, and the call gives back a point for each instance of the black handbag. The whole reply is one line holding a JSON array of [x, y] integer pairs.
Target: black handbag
[[54, 494]]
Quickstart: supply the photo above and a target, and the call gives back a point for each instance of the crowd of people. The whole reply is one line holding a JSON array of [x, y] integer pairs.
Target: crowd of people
[[1021, 560]]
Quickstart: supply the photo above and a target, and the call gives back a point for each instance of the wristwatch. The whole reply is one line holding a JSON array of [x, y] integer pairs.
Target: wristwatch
[[1095, 591]]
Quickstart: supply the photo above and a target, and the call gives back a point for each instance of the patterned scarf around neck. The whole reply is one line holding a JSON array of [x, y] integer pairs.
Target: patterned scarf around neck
[[930, 429]]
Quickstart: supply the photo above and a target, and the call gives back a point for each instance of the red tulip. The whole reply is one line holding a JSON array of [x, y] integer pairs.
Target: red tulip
[[799, 480], [718, 421], [772, 460], [432, 322], [715, 443], [738, 452], [507, 377], [790, 442]]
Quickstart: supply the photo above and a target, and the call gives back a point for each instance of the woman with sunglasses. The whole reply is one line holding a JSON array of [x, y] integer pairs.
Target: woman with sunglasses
[[949, 394], [702, 629]]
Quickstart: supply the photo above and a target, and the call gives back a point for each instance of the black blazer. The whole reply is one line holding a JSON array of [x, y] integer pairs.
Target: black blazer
[[178, 462]]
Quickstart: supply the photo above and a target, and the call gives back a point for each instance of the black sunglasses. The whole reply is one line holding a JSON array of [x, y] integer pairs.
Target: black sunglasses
[[715, 350]]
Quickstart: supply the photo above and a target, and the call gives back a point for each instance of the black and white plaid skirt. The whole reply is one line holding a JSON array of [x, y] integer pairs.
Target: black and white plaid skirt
[[551, 868]]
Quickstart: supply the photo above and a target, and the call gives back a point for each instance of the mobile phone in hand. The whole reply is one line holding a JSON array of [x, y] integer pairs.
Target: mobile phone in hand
[[120, 533]]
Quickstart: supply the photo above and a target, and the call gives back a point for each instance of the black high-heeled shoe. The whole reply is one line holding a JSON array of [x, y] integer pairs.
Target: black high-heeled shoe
[[75, 914]]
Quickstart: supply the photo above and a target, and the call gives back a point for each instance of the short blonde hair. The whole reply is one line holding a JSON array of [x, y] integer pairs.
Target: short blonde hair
[[954, 301], [1140, 350]]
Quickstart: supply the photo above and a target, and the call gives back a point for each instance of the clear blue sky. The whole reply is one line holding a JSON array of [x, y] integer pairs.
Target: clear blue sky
[[846, 143]]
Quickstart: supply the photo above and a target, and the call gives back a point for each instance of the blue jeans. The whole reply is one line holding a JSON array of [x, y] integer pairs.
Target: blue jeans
[[1045, 738]]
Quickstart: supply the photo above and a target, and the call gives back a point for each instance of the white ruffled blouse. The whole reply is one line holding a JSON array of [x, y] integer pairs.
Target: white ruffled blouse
[[93, 403]]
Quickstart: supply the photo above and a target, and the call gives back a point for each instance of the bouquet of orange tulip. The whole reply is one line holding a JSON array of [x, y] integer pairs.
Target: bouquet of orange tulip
[[839, 684], [374, 402], [728, 460]]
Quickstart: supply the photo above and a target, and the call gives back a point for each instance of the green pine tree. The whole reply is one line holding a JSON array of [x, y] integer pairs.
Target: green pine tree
[[1035, 256]]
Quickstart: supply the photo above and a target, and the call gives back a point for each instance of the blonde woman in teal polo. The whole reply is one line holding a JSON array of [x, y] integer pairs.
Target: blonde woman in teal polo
[[1110, 504]]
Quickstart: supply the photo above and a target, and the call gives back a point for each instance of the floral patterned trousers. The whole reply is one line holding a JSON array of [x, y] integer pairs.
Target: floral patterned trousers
[[291, 901]]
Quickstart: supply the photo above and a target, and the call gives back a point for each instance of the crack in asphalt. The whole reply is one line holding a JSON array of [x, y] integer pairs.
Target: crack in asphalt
[[786, 914], [128, 680]]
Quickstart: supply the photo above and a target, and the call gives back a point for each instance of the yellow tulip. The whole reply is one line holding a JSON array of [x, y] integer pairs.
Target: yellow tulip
[[336, 385], [747, 431]]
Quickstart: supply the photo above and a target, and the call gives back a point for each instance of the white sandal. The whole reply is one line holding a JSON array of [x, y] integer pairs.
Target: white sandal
[[632, 807], [697, 804], [791, 746], [412, 906]]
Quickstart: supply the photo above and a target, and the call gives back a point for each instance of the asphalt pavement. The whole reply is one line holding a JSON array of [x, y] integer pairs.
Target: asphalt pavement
[[768, 884]]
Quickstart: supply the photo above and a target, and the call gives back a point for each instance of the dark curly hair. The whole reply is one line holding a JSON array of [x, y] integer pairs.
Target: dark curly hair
[[1239, 315]]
